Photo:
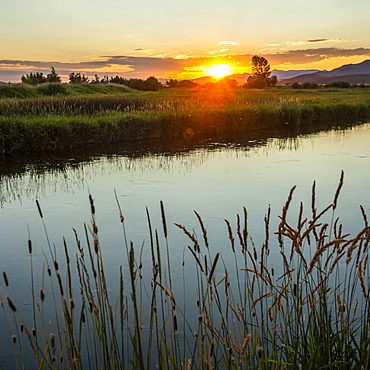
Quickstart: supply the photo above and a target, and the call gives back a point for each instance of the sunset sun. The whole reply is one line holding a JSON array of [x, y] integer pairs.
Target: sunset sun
[[219, 70]]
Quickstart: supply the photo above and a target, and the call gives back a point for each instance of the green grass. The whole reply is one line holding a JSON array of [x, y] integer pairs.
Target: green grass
[[102, 115], [308, 310]]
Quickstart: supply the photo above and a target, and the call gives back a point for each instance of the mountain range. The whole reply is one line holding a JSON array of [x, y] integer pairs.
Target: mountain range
[[352, 73]]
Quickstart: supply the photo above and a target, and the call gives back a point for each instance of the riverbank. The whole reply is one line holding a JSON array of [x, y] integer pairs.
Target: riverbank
[[60, 122]]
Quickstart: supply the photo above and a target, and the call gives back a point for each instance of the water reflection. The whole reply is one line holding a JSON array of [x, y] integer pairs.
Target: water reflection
[[29, 175]]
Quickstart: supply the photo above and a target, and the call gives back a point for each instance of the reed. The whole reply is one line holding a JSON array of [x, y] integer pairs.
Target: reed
[[56, 123], [309, 310]]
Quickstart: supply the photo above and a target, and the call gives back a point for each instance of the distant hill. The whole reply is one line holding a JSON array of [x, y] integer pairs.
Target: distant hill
[[352, 73], [243, 77]]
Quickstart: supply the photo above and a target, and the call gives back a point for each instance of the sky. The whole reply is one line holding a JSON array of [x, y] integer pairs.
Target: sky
[[178, 39]]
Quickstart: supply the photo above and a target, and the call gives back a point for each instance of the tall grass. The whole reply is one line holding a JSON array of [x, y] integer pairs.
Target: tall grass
[[56, 123], [308, 310]]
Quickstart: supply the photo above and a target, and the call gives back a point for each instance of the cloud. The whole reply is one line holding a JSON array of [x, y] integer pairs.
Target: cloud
[[304, 56], [302, 42], [165, 67], [218, 51], [228, 43]]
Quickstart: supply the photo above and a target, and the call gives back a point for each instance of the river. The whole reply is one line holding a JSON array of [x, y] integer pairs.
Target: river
[[215, 179]]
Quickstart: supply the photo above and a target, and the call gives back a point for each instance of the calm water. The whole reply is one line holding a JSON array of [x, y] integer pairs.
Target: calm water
[[215, 180]]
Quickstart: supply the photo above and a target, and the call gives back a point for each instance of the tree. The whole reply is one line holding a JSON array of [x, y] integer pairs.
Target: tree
[[77, 78], [260, 67], [53, 77], [261, 74], [33, 78], [152, 84]]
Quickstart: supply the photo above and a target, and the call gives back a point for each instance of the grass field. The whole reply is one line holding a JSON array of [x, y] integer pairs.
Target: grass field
[[101, 115]]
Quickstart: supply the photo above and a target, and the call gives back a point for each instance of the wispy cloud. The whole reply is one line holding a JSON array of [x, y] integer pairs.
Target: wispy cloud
[[217, 51], [302, 42], [228, 43]]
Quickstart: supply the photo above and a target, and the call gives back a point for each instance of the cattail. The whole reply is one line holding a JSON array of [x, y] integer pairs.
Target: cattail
[[14, 339], [42, 294], [60, 284], [6, 281], [56, 265], [49, 271], [92, 207], [163, 220], [83, 317], [39, 208], [213, 268], [34, 332], [260, 352], [52, 340], [230, 350], [200, 318], [29, 246], [174, 317], [22, 327], [72, 302], [11, 304]]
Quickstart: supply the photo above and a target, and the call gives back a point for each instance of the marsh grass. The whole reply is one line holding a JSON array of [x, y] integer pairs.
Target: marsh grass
[[56, 123], [310, 310]]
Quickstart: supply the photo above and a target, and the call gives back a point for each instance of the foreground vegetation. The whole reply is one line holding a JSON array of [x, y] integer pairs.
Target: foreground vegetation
[[308, 310], [105, 114]]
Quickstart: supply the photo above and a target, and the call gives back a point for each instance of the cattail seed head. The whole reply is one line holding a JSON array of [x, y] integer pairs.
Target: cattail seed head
[[56, 265], [260, 352], [52, 340], [34, 332], [49, 271], [30, 246], [11, 304], [72, 303], [22, 327], [14, 339], [92, 207], [42, 294], [39, 208], [6, 281], [60, 284]]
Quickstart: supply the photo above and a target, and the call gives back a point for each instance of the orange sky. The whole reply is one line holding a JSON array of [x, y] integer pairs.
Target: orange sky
[[173, 39]]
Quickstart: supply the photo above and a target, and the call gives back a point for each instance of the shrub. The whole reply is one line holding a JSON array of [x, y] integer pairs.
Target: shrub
[[52, 89]]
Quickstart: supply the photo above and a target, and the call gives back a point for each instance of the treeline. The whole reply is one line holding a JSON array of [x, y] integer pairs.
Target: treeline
[[337, 84], [38, 78]]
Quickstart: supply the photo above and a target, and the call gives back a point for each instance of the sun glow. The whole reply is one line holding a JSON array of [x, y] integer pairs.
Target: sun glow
[[219, 70]]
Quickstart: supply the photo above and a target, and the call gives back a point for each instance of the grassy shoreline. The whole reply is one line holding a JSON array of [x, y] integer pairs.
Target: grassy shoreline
[[60, 122]]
